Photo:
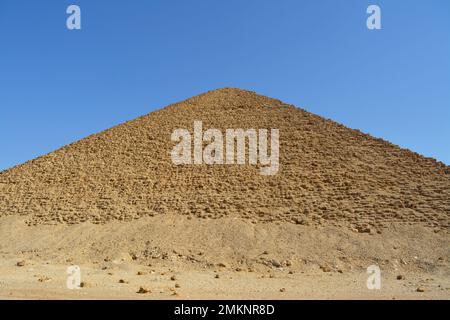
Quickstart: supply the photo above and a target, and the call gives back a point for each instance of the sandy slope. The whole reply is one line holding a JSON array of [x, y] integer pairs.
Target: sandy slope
[[252, 260]]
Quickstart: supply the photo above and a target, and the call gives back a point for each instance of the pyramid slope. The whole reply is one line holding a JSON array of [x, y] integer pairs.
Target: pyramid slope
[[329, 174]]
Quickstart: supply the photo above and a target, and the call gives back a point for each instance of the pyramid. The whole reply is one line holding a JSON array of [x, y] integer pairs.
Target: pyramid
[[328, 173]]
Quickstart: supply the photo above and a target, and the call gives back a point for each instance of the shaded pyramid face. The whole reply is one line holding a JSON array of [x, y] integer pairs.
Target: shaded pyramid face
[[328, 173]]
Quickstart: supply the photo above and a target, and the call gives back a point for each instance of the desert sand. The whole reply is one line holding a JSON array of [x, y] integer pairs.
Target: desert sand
[[115, 205]]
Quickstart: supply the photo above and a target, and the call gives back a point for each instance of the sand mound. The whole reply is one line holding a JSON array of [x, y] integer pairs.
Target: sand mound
[[329, 174]]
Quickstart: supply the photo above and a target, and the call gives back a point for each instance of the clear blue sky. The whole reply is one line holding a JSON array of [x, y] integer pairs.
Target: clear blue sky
[[132, 57]]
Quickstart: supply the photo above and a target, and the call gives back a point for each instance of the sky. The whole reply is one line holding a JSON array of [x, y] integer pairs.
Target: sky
[[133, 57]]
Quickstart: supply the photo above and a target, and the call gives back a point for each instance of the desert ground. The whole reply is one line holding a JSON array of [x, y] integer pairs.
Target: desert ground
[[219, 259]]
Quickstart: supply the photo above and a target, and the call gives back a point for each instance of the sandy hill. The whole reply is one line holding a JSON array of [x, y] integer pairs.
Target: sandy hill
[[329, 174]]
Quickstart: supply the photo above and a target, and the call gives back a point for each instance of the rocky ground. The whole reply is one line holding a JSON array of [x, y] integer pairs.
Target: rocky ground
[[39, 280]]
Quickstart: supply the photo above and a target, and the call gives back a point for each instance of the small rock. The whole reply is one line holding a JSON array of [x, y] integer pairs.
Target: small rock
[[283, 290], [325, 268], [21, 263], [177, 285], [143, 290], [173, 278], [122, 281], [420, 289], [217, 276], [44, 279], [141, 273], [400, 277], [83, 284], [364, 230], [275, 263]]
